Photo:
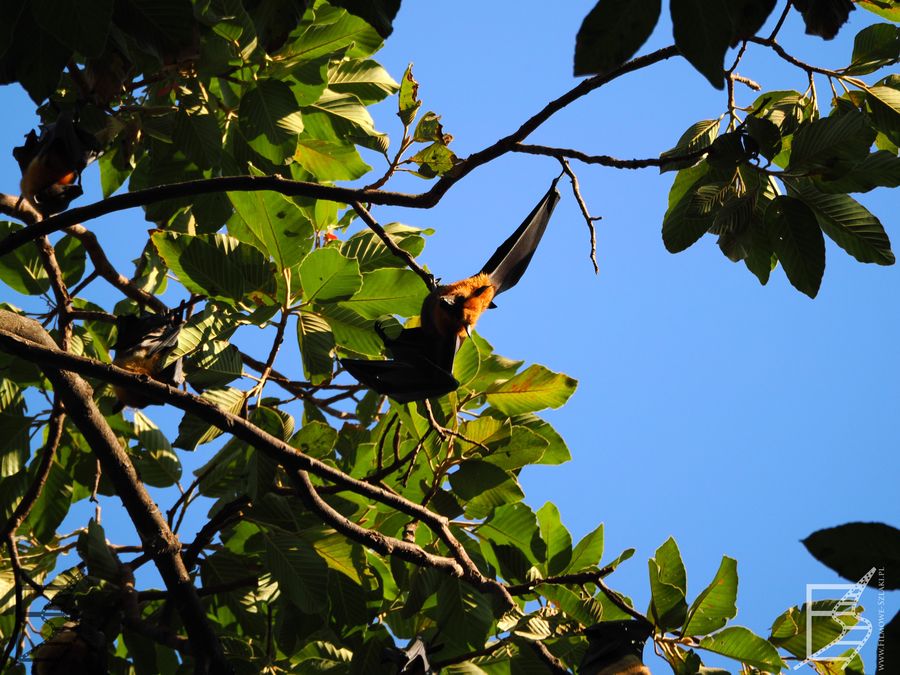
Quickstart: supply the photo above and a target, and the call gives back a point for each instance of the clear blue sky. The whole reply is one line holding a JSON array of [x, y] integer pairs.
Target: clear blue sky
[[735, 417]]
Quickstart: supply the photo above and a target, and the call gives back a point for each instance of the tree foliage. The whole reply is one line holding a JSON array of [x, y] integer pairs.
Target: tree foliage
[[342, 526]]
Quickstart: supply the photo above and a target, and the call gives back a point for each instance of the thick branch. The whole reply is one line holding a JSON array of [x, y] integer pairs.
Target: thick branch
[[291, 188], [157, 538], [240, 428]]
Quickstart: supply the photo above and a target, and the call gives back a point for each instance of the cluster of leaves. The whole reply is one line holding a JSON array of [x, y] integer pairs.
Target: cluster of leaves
[[177, 90], [769, 185]]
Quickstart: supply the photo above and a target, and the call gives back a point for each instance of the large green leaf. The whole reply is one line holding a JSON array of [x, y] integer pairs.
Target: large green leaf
[[193, 432], [22, 269], [154, 460], [741, 644], [279, 226], [365, 79], [698, 136], [517, 526], [52, 505], [853, 549], [798, 242], [873, 47], [702, 30], [81, 26], [847, 223], [346, 33], [535, 388], [557, 538], [378, 13], [214, 265], [716, 604], [301, 573], [14, 428], [351, 330], [270, 118], [831, 145], [316, 346], [889, 9], [880, 169], [372, 253], [330, 160], [588, 551], [215, 364], [885, 104], [199, 138], [326, 275], [388, 291], [792, 629], [611, 33], [484, 487], [668, 586]]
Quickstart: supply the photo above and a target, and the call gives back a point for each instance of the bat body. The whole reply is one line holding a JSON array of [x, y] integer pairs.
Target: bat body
[[616, 648], [422, 358], [51, 164], [142, 346]]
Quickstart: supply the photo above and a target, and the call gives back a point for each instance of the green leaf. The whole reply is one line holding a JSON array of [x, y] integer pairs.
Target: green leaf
[[585, 610], [330, 160], [434, 160], [517, 526], [154, 460], [484, 487], [277, 225], [611, 33], [668, 586], [388, 291], [193, 432], [880, 169], [71, 257], [847, 223], [853, 549], [199, 137], [315, 439], [524, 447], [365, 79], [22, 269], [588, 552], [326, 275], [535, 388], [94, 550], [216, 364], [82, 27], [790, 629], [682, 224], [741, 644], [832, 144], [408, 100], [214, 265], [300, 573], [371, 253], [316, 346], [557, 538], [889, 9], [873, 47], [697, 137], [885, 104], [51, 507], [716, 604], [702, 30], [14, 429], [798, 242], [347, 31], [351, 330], [766, 134], [270, 118]]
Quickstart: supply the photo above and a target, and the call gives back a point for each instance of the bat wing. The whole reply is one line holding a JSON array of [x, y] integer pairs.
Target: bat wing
[[414, 345], [510, 261], [615, 647], [403, 381]]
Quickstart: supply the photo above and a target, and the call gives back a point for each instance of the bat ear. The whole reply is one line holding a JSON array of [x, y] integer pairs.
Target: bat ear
[[449, 300], [492, 306]]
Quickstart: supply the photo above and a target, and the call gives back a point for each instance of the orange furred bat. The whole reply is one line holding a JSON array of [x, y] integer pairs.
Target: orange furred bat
[[142, 346], [52, 163], [616, 648], [422, 358]]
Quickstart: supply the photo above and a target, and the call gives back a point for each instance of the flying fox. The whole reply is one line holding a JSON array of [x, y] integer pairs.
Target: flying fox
[[421, 366], [51, 164], [616, 648]]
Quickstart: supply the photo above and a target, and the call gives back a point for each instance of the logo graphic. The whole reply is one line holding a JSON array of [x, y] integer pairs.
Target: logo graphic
[[843, 614]]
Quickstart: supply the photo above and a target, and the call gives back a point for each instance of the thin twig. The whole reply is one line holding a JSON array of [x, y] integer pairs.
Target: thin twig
[[617, 600], [588, 218], [19, 618], [392, 246]]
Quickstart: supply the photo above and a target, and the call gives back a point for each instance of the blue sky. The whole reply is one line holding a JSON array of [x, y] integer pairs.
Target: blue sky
[[735, 417]]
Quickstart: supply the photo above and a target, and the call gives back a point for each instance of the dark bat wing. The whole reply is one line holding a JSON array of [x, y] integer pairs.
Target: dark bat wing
[[615, 647], [403, 381], [510, 261]]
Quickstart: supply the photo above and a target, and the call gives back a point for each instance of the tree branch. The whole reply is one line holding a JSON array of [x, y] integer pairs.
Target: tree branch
[[292, 188], [12, 342], [157, 538], [588, 218]]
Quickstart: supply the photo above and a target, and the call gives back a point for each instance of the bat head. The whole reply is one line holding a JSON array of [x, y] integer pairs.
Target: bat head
[[455, 308]]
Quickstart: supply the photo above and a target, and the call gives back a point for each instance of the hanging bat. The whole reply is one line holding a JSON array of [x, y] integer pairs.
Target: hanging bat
[[616, 648], [52, 163], [142, 346], [422, 358]]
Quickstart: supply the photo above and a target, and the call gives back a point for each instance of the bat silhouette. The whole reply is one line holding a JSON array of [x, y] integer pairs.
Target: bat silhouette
[[616, 648], [422, 358], [410, 661], [142, 346], [52, 163]]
